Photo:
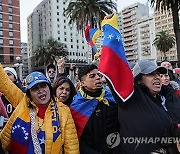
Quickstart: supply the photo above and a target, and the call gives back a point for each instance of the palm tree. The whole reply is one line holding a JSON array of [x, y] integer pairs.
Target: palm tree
[[46, 53], [163, 42], [173, 6], [82, 12]]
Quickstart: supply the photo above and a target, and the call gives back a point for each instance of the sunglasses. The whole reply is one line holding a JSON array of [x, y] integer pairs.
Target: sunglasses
[[51, 71]]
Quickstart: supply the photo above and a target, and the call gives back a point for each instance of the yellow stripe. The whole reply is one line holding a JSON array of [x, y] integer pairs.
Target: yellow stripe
[[113, 22], [100, 98]]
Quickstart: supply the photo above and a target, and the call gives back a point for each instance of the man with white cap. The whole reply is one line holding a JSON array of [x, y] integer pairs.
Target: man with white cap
[[149, 111]]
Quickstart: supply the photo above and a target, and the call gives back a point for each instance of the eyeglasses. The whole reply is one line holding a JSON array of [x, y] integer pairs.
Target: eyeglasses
[[51, 71]]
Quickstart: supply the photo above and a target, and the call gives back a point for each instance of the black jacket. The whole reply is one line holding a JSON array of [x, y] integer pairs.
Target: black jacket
[[144, 116], [102, 122]]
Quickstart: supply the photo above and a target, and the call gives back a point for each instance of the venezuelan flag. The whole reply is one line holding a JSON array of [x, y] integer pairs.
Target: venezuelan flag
[[113, 63], [91, 35]]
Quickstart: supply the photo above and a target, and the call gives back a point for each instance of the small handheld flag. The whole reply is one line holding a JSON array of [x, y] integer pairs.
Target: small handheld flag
[[91, 35]]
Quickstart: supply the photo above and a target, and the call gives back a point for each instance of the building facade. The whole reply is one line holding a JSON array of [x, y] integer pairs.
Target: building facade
[[47, 20], [130, 17], [164, 21], [10, 44], [146, 36], [24, 59]]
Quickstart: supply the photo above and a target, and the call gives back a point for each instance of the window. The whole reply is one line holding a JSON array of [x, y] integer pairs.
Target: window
[[11, 55], [58, 32], [71, 46], [1, 24], [10, 34], [64, 33], [11, 42], [64, 21], [1, 33], [1, 54], [64, 27], [57, 19], [58, 38], [10, 17], [65, 39], [57, 1], [71, 40], [1, 41], [1, 8], [58, 26], [1, 16], [57, 7], [10, 9]]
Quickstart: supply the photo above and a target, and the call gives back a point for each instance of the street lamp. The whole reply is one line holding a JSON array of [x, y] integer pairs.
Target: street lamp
[[19, 66]]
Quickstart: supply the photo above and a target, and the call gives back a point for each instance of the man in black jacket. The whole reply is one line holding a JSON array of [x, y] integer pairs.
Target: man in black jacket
[[95, 114]]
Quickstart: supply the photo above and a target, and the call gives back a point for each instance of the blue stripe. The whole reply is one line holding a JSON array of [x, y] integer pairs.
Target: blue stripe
[[113, 42]]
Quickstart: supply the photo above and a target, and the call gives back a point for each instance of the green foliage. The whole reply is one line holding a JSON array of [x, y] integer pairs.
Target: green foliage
[[81, 12], [164, 41], [47, 53]]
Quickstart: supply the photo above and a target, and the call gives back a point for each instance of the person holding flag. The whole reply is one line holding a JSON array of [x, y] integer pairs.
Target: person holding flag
[[146, 107]]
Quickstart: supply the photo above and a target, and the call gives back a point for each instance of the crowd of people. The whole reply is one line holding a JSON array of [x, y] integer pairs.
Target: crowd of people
[[77, 112]]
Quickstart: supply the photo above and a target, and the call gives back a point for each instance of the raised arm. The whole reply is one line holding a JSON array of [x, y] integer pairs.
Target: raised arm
[[9, 89]]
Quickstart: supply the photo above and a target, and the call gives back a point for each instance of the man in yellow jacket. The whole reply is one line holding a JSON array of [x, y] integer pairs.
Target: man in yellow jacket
[[40, 123]]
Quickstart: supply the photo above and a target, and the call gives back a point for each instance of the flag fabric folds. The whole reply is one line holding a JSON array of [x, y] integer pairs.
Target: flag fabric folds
[[82, 107], [113, 63], [91, 35]]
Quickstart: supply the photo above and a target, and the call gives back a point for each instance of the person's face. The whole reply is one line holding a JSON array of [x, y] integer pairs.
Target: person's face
[[11, 76], [40, 94], [51, 73], [153, 82], [165, 79], [167, 65], [92, 81], [63, 91]]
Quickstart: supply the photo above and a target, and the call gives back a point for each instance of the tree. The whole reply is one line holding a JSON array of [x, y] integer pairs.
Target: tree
[[163, 42], [81, 12], [173, 6], [46, 53]]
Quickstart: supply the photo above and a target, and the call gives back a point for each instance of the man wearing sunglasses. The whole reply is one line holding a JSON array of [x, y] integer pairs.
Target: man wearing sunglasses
[[51, 73]]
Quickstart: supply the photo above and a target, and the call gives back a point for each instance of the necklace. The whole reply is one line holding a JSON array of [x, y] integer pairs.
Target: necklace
[[40, 124]]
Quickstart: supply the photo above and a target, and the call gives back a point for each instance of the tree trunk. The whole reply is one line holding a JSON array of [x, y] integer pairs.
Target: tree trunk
[[165, 58], [174, 7]]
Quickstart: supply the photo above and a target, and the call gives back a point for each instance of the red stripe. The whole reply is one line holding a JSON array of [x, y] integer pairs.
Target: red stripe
[[117, 70], [17, 148], [79, 120]]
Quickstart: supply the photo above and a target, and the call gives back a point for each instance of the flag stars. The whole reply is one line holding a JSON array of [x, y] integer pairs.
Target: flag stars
[[110, 36], [42, 141], [118, 38]]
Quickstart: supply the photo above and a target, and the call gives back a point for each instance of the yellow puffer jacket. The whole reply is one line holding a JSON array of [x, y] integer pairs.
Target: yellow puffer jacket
[[20, 101]]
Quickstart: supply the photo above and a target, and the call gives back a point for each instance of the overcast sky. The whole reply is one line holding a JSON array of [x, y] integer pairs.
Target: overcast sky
[[27, 6]]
